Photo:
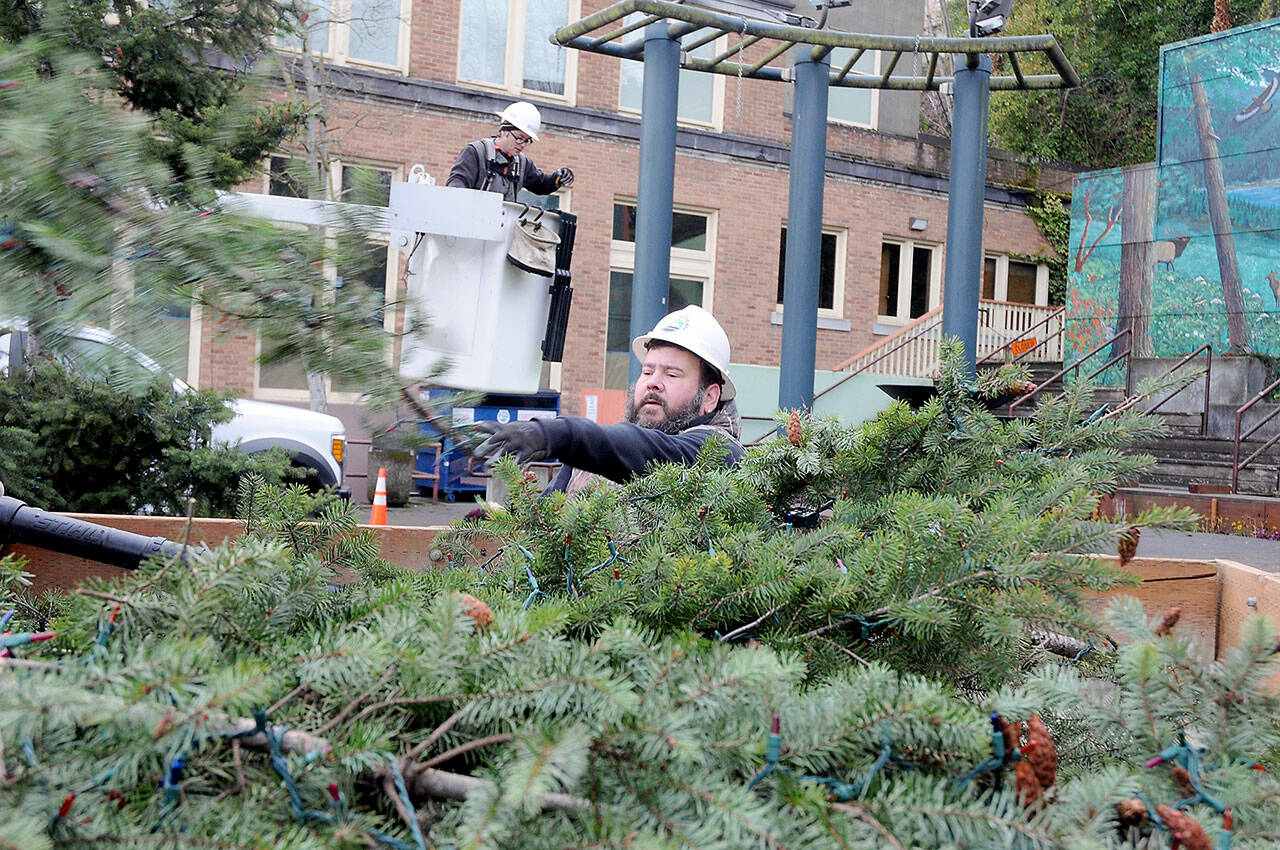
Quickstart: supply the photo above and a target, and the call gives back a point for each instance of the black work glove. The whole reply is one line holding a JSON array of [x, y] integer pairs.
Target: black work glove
[[523, 441], [564, 177]]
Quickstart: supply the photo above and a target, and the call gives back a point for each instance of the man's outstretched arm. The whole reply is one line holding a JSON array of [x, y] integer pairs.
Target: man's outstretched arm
[[617, 452]]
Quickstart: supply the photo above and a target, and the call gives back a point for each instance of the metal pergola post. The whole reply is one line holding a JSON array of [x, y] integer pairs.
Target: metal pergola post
[[804, 229], [962, 283], [655, 193]]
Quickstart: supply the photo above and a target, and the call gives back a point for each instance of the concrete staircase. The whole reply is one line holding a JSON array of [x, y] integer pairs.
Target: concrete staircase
[[1187, 459], [1183, 462]]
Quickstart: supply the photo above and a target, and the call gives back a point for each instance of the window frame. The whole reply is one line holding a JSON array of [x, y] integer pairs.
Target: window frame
[[873, 109], [836, 310], [1001, 287], [337, 51], [390, 314], [513, 82], [717, 93], [686, 264], [905, 245]]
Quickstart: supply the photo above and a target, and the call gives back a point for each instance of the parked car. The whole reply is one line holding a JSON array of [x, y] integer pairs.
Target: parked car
[[315, 441]]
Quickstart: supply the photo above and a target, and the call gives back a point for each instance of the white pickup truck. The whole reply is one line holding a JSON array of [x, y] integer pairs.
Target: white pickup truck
[[315, 441]]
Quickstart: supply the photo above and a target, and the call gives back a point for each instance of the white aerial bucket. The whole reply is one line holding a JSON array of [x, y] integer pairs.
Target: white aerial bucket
[[484, 317]]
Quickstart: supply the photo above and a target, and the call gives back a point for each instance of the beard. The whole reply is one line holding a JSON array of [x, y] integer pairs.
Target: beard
[[675, 421]]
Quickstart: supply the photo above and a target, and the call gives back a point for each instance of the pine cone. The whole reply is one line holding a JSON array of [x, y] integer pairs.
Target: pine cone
[[1131, 812], [1127, 545], [1044, 755], [1183, 780], [794, 430], [476, 609], [1029, 789], [1012, 731], [1186, 832], [1170, 620], [530, 476]]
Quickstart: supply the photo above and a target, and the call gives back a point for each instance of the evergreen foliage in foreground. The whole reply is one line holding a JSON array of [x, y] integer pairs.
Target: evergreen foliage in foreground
[[244, 701], [74, 443]]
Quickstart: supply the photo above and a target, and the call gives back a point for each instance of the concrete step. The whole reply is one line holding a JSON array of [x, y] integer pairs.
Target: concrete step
[[1183, 459]]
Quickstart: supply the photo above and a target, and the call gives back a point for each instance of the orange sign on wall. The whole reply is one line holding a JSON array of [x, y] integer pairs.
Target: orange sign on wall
[[1022, 345], [604, 407]]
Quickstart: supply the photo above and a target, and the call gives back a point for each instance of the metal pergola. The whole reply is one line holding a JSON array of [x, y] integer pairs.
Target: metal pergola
[[593, 34], [673, 31]]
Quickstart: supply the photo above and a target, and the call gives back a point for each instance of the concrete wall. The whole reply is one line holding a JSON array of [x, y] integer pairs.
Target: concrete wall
[[856, 400]]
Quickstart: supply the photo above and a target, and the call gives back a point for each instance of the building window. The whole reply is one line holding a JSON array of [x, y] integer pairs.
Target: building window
[[830, 271], [359, 183], [288, 176], [361, 32], [1016, 281], [850, 105], [910, 279], [691, 280], [700, 95], [506, 44]]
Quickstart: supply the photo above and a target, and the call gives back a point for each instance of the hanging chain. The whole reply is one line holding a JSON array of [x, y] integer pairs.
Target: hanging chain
[[741, 47]]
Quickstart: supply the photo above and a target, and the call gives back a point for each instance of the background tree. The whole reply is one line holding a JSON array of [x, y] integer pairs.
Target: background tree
[[1110, 120], [83, 195], [157, 57]]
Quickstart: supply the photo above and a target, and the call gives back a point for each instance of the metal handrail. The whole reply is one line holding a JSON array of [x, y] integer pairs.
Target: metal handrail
[[1126, 356], [919, 323], [1044, 342], [1208, 375], [1237, 464], [922, 328]]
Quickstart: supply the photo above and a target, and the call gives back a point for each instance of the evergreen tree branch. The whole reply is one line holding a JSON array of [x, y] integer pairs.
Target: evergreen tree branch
[[861, 814], [430, 782], [468, 747], [351, 706], [733, 634], [435, 735]]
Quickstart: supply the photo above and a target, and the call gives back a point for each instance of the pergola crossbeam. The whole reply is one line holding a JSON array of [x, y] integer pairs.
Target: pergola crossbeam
[[686, 19]]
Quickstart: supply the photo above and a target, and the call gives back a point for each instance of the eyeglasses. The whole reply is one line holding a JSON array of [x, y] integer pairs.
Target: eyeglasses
[[520, 138]]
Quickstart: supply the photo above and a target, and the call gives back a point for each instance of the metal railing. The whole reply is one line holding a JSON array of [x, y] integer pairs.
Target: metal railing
[[1207, 348], [1007, 348], [1127, 356], [1238, 464], [912, 350], [900, 341]]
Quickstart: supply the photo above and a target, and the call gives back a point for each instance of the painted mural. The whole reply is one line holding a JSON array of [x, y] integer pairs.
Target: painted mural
[[1186, 250]]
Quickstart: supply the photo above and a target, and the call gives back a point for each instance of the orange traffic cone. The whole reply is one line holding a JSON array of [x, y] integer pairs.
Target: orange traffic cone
[[378, 516]]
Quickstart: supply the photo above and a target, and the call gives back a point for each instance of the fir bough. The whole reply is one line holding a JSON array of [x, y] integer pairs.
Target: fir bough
[[610, 672]]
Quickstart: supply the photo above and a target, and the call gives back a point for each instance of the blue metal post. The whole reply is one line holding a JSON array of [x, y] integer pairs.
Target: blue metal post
[[655, 193], [804, 230], [963, 281]]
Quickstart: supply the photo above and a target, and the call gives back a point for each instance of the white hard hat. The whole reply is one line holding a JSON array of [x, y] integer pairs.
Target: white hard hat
[[523, 116], [697, 331]]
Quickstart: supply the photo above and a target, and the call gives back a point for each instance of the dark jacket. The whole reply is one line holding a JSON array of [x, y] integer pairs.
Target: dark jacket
[[471, 169], [619, 452]]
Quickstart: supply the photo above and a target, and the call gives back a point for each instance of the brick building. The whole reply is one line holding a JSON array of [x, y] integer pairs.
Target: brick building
[[414, 84]]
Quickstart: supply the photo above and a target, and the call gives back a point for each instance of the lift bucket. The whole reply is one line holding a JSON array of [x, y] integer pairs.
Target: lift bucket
[[467, 307]]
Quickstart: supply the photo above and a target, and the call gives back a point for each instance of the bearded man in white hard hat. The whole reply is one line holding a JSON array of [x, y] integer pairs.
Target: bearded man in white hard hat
[[498, 163], [683, 398]]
